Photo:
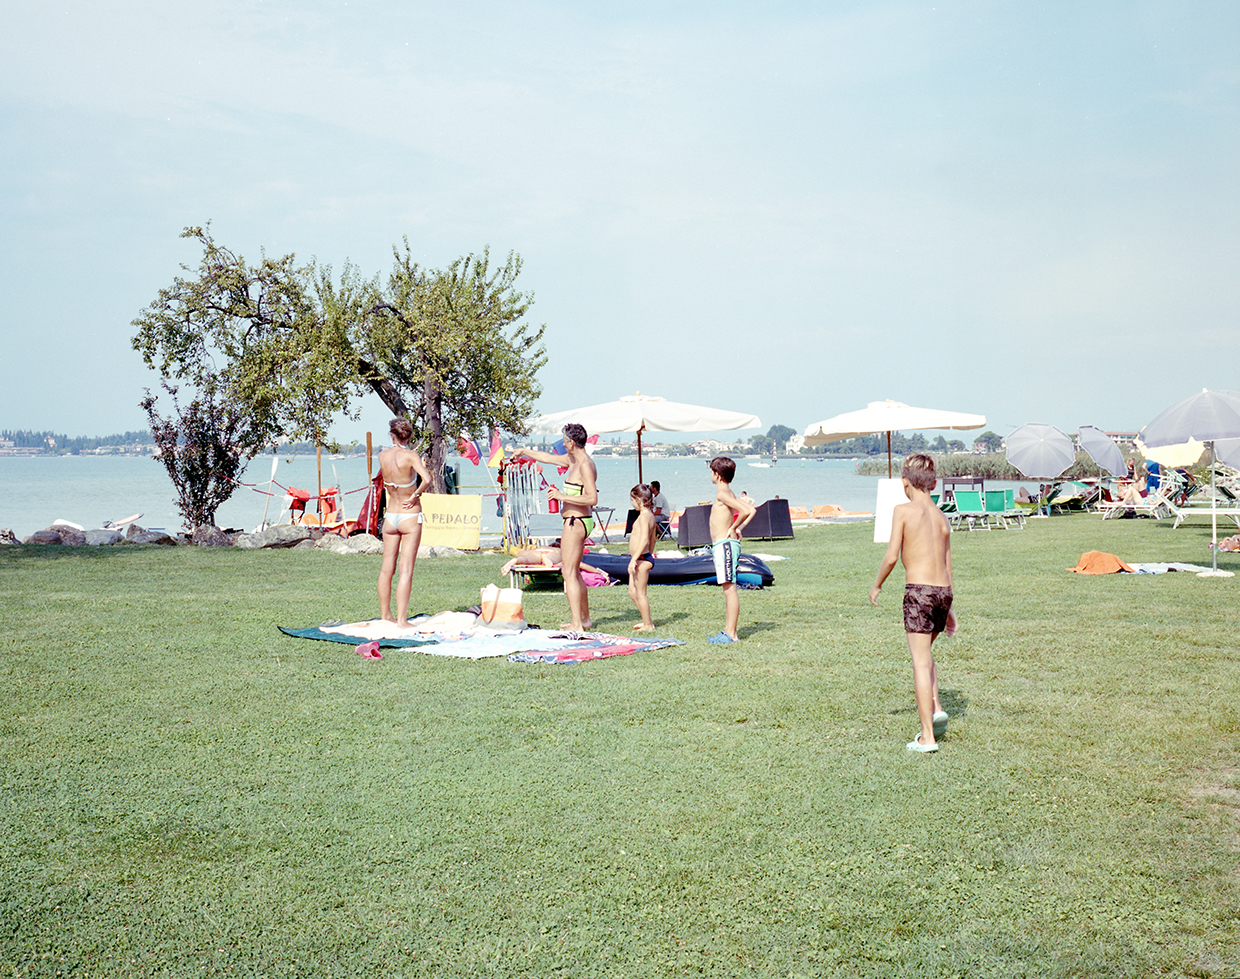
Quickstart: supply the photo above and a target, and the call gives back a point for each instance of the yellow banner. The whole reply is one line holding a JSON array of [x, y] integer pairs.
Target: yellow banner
[[451, 520]]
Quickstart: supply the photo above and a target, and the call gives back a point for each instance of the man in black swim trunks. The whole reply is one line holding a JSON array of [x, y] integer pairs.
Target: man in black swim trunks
[[921, 538]]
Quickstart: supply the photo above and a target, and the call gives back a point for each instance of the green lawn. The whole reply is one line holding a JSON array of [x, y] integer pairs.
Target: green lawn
[[186, 791]]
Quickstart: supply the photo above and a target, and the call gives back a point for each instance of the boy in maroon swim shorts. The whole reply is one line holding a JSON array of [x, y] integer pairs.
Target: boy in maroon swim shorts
[[921, 539]]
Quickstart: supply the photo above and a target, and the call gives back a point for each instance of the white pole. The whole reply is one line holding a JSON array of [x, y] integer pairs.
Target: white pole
[[1214, 572]]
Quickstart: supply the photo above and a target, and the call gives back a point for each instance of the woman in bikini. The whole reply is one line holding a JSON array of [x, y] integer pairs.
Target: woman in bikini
[[577, 501], [405, 479]]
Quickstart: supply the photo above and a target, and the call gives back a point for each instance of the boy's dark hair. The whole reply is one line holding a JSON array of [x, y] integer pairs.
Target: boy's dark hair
[[401, 428], [919, 471], [655, 486], [575, 432], [723, 467], [643, 493]]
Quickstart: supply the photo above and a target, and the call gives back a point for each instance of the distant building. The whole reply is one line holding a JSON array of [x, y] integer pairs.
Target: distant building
[[709, 447]]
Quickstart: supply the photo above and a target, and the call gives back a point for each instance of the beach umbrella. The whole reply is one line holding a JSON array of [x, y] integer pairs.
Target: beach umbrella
[[1209, 417], [1103, 450], [1178, 456], [644, 413], [887, 416], [1228, 451], [1040, 451]]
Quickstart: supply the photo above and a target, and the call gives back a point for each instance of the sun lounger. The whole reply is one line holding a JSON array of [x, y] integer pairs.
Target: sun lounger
[[1155, 504], [1227, 504], [970, 511], [996, 506]]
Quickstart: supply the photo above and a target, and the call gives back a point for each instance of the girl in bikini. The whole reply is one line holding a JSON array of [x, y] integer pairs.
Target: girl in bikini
[[577, 501], [405, 479], [641, 552]]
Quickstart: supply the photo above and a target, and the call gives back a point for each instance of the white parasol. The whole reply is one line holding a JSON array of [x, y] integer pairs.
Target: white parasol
[[1040, 451], [1103, 450], [1179, 456], [887, 416], [1209, 417], [644, 413]]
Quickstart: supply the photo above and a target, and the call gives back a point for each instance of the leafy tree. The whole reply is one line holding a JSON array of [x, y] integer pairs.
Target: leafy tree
[[939, 444], [201, 447], [454, 343], [295, 349], [761, 444], [250, 336], [779, 434], [988, 441]]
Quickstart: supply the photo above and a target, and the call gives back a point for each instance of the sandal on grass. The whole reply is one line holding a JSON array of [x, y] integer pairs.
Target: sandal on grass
[[916, 745]]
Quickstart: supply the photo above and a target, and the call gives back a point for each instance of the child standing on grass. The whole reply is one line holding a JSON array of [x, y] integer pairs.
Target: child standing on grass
[[921, 538], [641, 552], [728, 515]]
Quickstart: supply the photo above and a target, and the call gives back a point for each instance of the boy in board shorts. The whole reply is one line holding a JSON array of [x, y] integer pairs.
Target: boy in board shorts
[[728, 514], [921, 538]]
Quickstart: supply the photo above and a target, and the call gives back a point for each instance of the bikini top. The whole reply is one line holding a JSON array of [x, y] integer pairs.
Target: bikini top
[[413, 482], [573, 489]]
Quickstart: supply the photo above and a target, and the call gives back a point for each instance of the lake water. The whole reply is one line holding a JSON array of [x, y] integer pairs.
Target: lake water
[[88, 490]]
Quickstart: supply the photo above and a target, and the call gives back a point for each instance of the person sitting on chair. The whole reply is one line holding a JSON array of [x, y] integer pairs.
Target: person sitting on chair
[[661, 508]]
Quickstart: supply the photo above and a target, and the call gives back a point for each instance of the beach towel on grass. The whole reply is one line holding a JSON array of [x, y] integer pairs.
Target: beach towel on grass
[[481, 643], [592, 645], [1099, 562]]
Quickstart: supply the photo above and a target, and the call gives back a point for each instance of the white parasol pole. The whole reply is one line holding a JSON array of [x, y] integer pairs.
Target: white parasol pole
[[1214, 572], [639, 453]]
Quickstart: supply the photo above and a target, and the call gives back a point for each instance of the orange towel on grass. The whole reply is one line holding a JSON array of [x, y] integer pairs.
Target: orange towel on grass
[[1099, 562]]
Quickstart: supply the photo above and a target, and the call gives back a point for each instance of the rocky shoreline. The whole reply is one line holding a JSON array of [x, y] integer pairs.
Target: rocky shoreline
[[280, 536]]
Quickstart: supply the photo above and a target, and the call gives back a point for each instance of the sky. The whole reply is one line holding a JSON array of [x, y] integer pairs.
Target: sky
[[1027, 211]]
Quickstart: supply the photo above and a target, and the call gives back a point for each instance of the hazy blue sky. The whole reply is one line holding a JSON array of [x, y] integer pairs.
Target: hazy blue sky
[[1029, 211]]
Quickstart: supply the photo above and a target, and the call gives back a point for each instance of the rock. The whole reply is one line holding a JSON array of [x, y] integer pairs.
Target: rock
[[306, 545], [8, 537], [96, 538], [210, 536], [440, 550], [43, 537], [151, 537], [334, 543], [281, 535], [365, 544], [357, 544], [69, 536]]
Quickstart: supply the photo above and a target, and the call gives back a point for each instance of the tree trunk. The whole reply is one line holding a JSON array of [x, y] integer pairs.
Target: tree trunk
[[384, 388], [433, 410]]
